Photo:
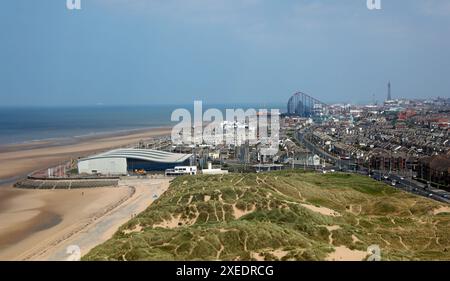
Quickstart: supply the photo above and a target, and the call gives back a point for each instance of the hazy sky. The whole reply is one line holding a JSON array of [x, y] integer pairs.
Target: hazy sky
[[221, 51]]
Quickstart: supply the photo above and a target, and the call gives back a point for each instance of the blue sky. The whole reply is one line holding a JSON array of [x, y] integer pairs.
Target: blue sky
[[221, 51]]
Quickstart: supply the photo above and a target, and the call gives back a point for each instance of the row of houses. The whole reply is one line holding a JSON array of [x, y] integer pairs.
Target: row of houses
[[435, 170]]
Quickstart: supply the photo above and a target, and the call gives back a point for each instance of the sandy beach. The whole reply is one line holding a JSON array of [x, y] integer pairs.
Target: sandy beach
[[25, 158], [32, 220]]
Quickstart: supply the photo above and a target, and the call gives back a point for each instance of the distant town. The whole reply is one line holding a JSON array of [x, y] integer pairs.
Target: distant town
[[403, 142]]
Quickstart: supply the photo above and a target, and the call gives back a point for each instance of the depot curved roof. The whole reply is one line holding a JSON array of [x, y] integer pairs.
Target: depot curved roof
[[142, 154]]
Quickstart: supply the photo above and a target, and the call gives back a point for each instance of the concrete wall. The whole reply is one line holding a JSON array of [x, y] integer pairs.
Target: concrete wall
[[105, 166], [309, 160], [66, 184], [214, 172]]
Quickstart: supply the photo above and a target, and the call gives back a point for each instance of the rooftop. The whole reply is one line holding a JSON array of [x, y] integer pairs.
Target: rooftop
[[142, 154]]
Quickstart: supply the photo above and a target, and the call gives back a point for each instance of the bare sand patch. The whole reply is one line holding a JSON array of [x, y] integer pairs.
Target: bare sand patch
[[177, 221], [238, 213], [207, 198], [136, 228], [355, 239], [343, 253], [332, 227], [442, 209], [321, 210], [257, 256], [172, 223], [279, 254]]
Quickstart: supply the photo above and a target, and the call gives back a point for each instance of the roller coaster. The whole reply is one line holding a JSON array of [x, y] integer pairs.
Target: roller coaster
[[303, 105]]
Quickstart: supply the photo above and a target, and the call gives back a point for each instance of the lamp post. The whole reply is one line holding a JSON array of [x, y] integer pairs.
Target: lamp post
[[293, 158], [305, 160]]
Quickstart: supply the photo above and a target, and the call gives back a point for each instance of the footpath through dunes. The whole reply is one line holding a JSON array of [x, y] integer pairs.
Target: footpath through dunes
[[284, 215]]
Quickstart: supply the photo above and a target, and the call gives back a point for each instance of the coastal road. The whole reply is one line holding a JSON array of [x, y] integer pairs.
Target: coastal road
[[102, 228], [411, 186], [400, 182]]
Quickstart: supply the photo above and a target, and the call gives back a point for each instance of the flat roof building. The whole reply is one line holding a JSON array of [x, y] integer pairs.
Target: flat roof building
[[123, 161]]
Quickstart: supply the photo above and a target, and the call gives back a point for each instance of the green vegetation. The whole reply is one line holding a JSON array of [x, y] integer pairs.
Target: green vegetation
[[73, 171], [286, 215]]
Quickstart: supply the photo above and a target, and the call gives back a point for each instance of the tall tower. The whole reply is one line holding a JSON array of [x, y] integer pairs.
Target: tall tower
[[389, 97]]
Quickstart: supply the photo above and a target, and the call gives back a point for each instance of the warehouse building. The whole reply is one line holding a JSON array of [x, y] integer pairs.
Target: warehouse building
[[123, 161]]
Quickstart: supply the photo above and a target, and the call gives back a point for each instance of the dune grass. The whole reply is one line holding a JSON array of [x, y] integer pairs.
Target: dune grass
[[283, 215]]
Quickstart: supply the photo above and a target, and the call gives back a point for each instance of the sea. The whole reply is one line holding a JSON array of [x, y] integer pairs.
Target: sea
[[20, 125]]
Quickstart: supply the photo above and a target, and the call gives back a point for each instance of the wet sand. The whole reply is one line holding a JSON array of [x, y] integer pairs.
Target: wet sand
[[51, 216], [101, 228], [31, 218]]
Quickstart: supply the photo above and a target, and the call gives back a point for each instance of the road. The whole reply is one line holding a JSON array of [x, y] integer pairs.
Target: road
[[389, 178]]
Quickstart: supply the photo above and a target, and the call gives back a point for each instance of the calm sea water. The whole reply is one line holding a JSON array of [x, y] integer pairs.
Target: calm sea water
[[21, 125]]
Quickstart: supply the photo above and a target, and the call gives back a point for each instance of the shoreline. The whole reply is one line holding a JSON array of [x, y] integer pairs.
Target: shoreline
[[71, 140], [69, 232], [28, 218], [25, 159]]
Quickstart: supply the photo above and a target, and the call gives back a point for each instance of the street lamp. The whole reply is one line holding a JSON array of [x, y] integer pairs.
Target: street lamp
[[293, 155]]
